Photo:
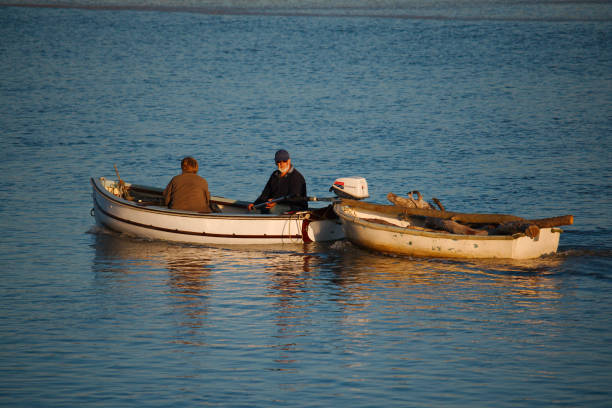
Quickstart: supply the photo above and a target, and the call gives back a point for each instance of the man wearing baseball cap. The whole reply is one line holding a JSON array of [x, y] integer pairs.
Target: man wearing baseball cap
[[286, 182]]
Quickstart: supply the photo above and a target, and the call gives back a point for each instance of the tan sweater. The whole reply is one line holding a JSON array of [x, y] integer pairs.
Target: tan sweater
[[188, 191]]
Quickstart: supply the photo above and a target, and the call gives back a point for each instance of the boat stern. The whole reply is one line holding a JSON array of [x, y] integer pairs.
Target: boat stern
[[546, 243]]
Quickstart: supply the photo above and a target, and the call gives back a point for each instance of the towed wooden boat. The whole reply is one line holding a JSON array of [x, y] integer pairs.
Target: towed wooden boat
[[140, 211], [392, 229]]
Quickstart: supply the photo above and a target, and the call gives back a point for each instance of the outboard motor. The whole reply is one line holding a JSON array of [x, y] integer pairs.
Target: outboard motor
[[355, 188]]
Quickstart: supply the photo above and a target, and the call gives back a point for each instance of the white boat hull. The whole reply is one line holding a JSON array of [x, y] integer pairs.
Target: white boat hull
[[235, 225], [388, 234]]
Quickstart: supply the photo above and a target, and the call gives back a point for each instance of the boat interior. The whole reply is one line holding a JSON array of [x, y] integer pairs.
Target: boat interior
[[147, 196]]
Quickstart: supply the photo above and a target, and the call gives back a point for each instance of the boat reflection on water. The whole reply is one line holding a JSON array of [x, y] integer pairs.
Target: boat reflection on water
[[363, 268], [190, 274], [332, 291], [140, 269], [291, 269]]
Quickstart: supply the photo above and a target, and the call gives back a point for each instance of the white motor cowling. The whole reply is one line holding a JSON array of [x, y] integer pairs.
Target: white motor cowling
[[350, 187]]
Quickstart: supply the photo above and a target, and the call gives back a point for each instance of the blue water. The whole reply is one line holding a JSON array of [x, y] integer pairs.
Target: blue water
[[489, 107]]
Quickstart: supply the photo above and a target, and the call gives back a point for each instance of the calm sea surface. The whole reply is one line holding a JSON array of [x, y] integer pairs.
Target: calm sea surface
[[509, 115]]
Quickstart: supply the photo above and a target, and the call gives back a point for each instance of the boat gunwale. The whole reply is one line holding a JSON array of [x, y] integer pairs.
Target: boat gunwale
[[410, 231], [302, 215]]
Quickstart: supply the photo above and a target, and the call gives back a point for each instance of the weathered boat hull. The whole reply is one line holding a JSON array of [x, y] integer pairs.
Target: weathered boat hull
[[234, 225], [385, 233]]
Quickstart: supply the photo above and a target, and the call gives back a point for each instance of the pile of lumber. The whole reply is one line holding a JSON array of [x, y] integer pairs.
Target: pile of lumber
[[478, 224]]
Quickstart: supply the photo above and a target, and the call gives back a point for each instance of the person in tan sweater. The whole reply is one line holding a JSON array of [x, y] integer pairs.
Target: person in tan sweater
[[188, 191]]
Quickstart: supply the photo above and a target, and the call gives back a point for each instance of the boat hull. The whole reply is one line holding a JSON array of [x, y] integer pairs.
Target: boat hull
[[386, 234], [233, 226]]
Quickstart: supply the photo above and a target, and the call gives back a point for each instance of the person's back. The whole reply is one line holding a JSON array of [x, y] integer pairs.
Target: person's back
[[188, 191]]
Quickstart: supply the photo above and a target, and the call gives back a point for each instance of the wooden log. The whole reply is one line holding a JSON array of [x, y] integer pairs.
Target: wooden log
[[464, 218], [452, 227], [509, 228], [516, 227], [553, 221], [475, 218]]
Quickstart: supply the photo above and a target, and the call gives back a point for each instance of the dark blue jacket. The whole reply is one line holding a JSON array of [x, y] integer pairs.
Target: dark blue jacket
[[293, 184]]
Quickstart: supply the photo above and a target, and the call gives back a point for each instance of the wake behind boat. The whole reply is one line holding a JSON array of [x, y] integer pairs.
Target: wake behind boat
[[140, 211]]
